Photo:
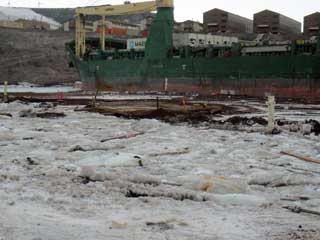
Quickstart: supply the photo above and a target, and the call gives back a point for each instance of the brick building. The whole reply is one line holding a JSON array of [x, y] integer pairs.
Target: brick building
[[189, 27], [312, 24], [272, 22], [220, 21]]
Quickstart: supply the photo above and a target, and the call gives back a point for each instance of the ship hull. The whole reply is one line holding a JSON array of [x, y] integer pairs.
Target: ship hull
[[283, 76]]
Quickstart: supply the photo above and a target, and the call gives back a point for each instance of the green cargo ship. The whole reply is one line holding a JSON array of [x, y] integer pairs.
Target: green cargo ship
[[293, 71]]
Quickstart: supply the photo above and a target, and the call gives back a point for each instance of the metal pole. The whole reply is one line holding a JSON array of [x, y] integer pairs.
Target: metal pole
[[80, 37], [318, 42], [103, 33]]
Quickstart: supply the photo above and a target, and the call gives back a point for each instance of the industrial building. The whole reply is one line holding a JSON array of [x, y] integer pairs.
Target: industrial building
[[220, 21], [33, 24], [312, 24], [189, 26], [267, 21]]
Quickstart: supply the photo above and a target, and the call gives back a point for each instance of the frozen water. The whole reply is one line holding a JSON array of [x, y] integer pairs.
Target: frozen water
[[35, 89], [42, 195]]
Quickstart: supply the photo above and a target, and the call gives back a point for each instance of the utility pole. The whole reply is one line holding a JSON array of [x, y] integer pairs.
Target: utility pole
[[39, 3], [318, 42], [9, 3]]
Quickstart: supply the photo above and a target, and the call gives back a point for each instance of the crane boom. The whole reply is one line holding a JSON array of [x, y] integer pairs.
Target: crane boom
[[110, 10], [132, 8]]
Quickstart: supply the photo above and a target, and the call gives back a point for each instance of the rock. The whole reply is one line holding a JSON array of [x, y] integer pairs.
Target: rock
[[11, 203], [119, 225], [7, 136], [211, 184], [31, 162], [160, 226], [9, 115], [76, 149]]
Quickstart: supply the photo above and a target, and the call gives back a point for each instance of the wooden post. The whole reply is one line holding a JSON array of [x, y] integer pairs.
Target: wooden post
[[165, 85], [184, 104], [157, 103], [271, 113], [5, 92], [94, 98]]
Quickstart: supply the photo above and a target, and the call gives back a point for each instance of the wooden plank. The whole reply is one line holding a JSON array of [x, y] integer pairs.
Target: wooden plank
[[306, 159]]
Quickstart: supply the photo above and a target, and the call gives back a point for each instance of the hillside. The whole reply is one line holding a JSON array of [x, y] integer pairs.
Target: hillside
[[35, 57], [14, 14], [62, 15]]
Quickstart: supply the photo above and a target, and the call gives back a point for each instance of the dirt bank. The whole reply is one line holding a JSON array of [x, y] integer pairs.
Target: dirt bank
[[35, 57]]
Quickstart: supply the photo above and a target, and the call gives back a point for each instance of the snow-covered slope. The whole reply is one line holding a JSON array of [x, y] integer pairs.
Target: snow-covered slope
[[25, 13]]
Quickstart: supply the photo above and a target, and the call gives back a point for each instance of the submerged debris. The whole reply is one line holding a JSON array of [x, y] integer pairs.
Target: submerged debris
[[315, 126], [167, 110], [179, 195], [236, 120], [31, 162], [31, 114], [127, 136], [297, 209], [6, 114], [50, 115], [299, 234], [303, 158], [78, 148], [178, 152], [160, 226], [307, 127]]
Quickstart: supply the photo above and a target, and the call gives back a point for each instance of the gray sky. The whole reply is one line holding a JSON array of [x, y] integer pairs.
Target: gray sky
[[186, 9]]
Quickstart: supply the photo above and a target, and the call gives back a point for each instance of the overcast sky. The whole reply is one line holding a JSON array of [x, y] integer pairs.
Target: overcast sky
[[187, 9]]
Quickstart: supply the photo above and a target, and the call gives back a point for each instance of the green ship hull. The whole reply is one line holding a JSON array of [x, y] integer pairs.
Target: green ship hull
[[291, 75]]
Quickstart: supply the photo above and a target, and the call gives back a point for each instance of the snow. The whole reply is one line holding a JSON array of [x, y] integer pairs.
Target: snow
[[13, 14], [47, 200], [36, 89], [108, 96]]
